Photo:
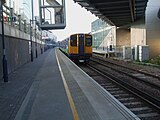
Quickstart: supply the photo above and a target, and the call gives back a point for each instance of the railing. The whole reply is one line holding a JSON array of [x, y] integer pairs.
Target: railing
[[20, 22]]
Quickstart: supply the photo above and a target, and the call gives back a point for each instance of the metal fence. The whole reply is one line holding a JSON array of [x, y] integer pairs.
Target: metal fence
[[20, 23], [17, 50]]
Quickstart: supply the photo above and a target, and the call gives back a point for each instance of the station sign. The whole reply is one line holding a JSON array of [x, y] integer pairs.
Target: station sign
[[9, 19]]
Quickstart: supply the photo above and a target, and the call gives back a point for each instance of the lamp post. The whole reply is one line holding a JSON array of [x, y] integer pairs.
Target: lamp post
[[32, 11], [31, 40], [4, 60], [35, 38], [31, 24], [41, 42], [103, 37]]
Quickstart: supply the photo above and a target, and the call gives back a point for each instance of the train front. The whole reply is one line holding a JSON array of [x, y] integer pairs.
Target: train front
[[80, 47]]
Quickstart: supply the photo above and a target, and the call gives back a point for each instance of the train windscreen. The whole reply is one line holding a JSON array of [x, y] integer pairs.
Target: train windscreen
[[88, 40], [73, 40]]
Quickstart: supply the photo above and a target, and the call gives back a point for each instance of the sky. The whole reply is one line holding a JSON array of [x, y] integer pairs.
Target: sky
[[78, 20]]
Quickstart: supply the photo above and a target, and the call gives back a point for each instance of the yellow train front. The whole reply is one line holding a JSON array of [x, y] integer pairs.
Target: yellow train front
[[80, 47]]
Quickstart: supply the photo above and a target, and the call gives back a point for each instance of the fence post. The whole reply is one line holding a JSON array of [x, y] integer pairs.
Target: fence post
[[19, 21], [4, 60], [25, 25]]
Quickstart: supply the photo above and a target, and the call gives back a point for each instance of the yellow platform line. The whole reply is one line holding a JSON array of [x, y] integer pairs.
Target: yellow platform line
[[73, 108]]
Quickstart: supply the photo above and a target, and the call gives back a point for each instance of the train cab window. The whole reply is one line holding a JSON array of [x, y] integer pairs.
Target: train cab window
[[73, 40], [88, 40]]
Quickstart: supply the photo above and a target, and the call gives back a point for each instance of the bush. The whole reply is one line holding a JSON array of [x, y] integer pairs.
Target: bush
[[154, 61]]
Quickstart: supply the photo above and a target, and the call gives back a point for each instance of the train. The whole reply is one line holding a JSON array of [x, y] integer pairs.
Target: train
[[78, 47]]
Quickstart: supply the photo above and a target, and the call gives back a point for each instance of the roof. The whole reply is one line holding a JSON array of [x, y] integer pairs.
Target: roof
[[116, 12]]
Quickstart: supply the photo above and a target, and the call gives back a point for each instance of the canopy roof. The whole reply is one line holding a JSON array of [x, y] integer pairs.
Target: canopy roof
[[117, 12]]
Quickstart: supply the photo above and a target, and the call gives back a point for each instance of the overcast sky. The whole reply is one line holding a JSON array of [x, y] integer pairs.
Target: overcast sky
[[78, 20]]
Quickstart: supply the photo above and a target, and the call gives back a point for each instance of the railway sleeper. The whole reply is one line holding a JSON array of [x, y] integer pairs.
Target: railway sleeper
[[121, 95], [140, 108], [145, 111], [134, 105], [149, 116], [110, 86], [107, 83], [116, 92], [126, 99], [101, 82], [112, 89]]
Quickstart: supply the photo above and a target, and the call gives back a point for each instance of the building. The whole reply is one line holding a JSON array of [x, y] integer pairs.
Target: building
[[21, 7], [146, 32], [103, 36]]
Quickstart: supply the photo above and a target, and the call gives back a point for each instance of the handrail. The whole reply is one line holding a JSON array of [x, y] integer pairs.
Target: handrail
[[18, 24]]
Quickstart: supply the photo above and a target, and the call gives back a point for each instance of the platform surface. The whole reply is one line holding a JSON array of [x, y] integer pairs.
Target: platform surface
[[91, 100], [54, 88], [46, 99]]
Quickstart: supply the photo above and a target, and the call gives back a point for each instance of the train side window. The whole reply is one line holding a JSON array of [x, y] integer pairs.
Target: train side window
[[88, 40], [73, 40]]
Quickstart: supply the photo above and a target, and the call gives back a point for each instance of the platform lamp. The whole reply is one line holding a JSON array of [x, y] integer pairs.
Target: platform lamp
[[31, 40], [4, 60], [36, 37], [31, 24]]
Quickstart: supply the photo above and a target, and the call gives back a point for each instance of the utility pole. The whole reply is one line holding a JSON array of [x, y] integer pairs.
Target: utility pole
[[103, 36], [36, 38], [31, 40], [4, 60], [31, 24]]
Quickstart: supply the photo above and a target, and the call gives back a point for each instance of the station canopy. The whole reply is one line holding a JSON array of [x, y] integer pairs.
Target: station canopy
[[116, 12]]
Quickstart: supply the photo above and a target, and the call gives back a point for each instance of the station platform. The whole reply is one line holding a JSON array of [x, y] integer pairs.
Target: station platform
[[104, 53], [57, 89]]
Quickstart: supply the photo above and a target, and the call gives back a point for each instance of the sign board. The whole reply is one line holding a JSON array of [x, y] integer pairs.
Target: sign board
[[9, 19]]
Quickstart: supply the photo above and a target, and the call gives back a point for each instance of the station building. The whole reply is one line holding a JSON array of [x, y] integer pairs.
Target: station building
[[103, 36], [139, 40], [21, 7]]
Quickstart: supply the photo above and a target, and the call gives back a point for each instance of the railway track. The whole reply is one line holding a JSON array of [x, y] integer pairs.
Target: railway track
[[144, 105], [141, 76], [130, 68]]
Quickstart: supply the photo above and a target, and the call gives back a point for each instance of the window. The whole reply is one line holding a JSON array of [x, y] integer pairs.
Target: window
[[73, 40], [88, 40]]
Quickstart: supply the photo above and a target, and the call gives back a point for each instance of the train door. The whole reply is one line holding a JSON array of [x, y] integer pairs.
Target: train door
[[81, 44], [73, 48]]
